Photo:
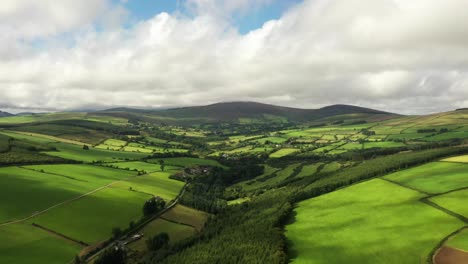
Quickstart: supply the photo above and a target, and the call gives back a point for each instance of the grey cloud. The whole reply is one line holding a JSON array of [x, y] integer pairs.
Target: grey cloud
[[403, 56]]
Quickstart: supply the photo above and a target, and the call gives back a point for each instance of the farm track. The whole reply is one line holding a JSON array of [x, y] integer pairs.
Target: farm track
[[432, 256], [141, 226]]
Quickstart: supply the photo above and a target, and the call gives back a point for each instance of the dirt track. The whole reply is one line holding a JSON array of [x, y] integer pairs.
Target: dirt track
[[447, 255]]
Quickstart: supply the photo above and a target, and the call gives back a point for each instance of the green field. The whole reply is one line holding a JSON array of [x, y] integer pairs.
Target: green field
[[435, 177], [283, 152], [25, 192], [156, 183], [175, 231], [459, 241], [139, 166], [95, 176], [453, 201], [361, 225], [77, 153], [188, 162], [25, 244], [83, 219], [309, 170], [462, 159]]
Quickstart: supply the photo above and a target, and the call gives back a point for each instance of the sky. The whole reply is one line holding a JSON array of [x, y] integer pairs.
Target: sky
[[403, 56]]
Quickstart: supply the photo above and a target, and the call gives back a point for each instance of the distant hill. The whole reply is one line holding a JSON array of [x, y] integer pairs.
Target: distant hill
[[5, 114], [248, 112]]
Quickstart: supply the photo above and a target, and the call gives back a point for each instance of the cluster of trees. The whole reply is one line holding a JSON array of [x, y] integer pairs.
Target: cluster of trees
[[153, 205], [157, 242], [368, 132], [114, 255], [433, 130], [252, 232]]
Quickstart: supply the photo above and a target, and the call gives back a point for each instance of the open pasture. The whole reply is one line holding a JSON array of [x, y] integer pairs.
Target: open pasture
[[283, 152], [188, 162], [26, 244], [154, 184], [434, 177], [95, 176], [25, 192], [462, 159], [176, 232], [77, 153], [459, 241], [454, 201], [91, 218], [309, 170], [361, 225], [140, 166]]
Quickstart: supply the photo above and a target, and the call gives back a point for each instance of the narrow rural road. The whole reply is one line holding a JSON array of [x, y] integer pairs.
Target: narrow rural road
[[159, 214]]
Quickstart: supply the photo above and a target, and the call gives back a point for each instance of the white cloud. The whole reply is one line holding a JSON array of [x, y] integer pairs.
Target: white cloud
[[404, 56]]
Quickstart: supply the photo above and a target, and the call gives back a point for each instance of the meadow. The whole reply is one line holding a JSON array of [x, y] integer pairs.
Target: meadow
[[435, 177], [369, 224], [83, 219], [77, 153], [25, 244]]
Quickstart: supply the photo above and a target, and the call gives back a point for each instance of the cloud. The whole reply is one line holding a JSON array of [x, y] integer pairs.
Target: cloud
[[396, 55]]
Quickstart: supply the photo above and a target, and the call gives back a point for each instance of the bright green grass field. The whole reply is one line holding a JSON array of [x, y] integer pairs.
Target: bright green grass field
[[115, 142], [29, 138], [385, 144], [95, 176], [283, 152], [25, 192], [156, 183], [92, 218], [309, 170], [463, 159], [188, 162], [331, 167], [459, 241], [276, 140], [281, 175], [455, 201], [361, 225], [435, 177], [140, 166], [175, 231], [72, 152], [25, 244]]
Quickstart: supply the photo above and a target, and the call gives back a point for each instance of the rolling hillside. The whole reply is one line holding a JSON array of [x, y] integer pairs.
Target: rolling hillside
[[248, 112], [4, 114]]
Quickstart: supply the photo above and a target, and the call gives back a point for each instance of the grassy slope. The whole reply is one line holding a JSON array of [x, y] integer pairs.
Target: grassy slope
[[360, 225], [156, 183], [460, 241], [454, 201], [25, 192], [25, 244], [435, 177], [92, 218], [77, 153]]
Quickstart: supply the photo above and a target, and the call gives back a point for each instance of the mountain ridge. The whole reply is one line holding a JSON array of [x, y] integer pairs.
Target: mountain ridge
[[234, 111]]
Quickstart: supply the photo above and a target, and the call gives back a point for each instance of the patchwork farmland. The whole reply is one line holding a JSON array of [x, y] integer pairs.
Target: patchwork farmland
[[76, 186]]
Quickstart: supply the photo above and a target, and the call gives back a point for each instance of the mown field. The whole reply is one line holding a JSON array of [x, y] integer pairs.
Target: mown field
[[362, 225], [80, 175]]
